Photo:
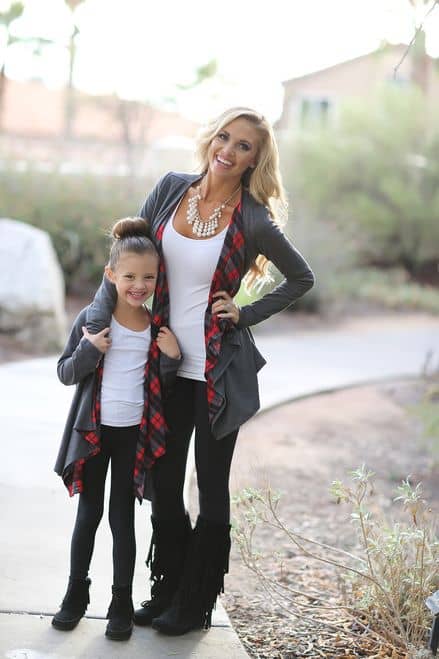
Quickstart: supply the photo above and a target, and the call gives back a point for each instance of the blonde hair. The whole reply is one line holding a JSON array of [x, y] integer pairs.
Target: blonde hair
[[263, 182], [130, 234]]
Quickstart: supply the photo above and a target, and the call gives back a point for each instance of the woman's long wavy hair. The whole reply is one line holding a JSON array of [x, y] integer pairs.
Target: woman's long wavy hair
[[263, 182]]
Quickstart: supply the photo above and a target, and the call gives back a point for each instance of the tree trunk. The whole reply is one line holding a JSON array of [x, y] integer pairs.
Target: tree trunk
[[2, 94], [421, 63], [69, 103]]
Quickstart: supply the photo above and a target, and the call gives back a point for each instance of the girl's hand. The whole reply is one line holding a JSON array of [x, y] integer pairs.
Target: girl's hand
[[101, 340], [224, 306], [167, 343]]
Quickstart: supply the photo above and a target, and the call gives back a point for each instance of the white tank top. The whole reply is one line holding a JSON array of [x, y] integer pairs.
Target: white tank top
[[190, 266], [122, 396]]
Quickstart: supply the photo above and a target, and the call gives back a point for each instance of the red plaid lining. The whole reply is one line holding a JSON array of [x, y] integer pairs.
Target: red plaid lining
[[227, 277], [152, 436], [228, 274], [75, 479]]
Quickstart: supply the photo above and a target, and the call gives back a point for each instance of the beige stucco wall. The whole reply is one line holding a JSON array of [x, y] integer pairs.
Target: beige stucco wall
[[358, 78]]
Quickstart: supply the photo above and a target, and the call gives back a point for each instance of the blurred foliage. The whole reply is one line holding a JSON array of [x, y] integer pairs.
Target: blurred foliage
[[77, 212], [390, 288], [427, 411], [364, 192], [369, 181]]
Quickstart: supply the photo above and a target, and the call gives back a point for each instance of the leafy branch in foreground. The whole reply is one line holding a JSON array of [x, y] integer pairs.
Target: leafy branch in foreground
[[385, 582]]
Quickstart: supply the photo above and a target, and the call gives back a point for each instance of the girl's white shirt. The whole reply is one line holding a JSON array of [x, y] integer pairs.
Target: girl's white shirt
[[122, 395], [190, 266]]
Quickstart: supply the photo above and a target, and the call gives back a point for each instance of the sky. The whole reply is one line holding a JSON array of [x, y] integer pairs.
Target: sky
[[145, 49]]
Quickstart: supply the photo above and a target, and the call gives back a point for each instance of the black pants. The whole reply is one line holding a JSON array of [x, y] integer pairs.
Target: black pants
[[186, 409], [119, 445]]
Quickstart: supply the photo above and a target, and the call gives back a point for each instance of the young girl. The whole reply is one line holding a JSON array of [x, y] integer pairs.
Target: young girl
[[109, 420]]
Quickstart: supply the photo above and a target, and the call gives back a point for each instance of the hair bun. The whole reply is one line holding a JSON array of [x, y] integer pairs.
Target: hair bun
[[131, 226]]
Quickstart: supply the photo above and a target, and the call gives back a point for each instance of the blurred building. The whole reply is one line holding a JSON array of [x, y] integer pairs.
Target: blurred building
[[318, 96], [104, 135]]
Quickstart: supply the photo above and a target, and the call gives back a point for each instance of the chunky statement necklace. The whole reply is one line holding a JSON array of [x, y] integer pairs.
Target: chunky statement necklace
[[204, 228]]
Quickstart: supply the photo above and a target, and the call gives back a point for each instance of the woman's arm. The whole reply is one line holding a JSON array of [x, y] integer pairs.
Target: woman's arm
[[102, 306], [170, 359], [299, 278], [80, 356]]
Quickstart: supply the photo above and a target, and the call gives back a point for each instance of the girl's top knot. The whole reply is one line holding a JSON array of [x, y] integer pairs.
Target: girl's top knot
[[130, 227]]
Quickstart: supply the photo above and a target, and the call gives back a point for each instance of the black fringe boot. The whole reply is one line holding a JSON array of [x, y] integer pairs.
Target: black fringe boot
[[73, 606], [166, 558], [203, 580], [120, 614]]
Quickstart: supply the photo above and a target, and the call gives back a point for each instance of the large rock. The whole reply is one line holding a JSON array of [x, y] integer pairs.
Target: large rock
[[31, 286]]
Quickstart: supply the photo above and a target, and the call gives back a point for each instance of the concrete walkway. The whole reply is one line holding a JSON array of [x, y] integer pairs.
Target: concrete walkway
[[37, 515]]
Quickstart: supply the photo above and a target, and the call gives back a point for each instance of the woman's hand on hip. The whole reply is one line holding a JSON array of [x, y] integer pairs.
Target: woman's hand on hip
[[167, 343], [225, 307]]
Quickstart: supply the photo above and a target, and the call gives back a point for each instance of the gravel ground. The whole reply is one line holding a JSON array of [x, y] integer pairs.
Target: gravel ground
[[299, 449]]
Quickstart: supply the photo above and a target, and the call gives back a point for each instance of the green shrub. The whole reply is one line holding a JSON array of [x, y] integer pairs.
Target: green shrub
[[390, 289], [375, 173], [427, 411], [76, 210]]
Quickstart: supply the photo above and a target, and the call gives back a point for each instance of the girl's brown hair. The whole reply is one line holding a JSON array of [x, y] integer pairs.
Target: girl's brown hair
[[130, 234]]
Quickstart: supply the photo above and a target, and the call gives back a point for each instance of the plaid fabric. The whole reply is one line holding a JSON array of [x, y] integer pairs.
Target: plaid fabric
[[75, 478], [227, 277], [228, 274], [152, 436], [153, 427], [151, 440]]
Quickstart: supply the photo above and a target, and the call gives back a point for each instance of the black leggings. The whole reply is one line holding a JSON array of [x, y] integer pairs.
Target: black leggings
[[119, 445], [186, 409]]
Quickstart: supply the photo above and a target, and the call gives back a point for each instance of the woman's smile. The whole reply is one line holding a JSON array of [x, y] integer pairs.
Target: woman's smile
[[234, 148], [223, 162]]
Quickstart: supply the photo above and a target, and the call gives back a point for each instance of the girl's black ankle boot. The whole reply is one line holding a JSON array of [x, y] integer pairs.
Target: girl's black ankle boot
[[120, 614], [73, 606]]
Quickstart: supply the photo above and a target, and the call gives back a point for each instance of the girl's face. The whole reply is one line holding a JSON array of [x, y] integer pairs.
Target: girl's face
[[234, 149], [135, 277]]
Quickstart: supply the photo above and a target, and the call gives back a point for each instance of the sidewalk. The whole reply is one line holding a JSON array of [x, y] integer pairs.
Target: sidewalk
[[37, 515]]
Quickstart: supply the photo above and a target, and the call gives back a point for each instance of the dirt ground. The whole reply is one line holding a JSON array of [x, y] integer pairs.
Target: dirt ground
[[299, 449]]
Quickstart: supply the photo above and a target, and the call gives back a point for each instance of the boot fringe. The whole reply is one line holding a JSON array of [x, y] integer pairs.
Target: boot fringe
[[207, 563], [167, 550]]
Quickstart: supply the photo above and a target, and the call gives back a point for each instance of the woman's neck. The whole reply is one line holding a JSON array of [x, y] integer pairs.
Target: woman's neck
[[134, 318], [214, 189]]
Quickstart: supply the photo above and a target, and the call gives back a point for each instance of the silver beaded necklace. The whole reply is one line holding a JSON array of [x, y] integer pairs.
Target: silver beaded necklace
[[205, 228]]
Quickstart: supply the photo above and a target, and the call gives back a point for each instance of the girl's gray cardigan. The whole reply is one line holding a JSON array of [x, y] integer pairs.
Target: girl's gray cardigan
[[235, 373], [78, 365]]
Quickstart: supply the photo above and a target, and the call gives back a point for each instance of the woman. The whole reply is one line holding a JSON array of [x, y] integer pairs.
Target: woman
[[213, 230]]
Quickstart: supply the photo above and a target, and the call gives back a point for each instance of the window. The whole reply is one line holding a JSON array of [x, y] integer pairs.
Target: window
[[314, 109]]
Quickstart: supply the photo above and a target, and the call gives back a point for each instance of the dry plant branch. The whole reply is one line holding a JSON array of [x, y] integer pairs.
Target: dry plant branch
[[399, 564], [417, 31]]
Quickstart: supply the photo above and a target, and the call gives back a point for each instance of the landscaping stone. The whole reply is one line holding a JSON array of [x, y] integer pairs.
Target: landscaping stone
[[31, 287]]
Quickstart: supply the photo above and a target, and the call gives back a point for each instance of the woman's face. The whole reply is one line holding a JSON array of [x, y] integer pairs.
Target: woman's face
[[234, 149]]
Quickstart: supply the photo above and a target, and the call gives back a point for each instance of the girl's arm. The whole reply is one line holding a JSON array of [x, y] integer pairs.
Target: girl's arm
[[299, 278], [80, 356]]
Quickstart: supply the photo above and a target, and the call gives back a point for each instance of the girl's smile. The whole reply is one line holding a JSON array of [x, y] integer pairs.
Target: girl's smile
[[135, 277]]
